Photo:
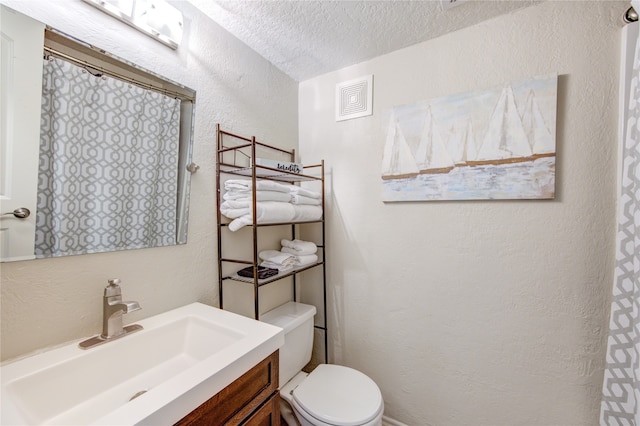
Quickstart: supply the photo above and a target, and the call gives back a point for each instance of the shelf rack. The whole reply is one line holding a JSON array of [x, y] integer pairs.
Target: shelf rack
[[235, 156]]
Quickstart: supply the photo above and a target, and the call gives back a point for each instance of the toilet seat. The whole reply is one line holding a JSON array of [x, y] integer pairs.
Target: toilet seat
[[338, 395]]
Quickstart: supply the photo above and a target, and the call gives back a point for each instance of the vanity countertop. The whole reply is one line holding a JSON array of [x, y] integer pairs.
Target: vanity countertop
[[175, 363]]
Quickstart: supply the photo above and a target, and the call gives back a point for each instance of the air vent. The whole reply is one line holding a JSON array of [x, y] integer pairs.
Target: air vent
[[354, 98], [448, 4]]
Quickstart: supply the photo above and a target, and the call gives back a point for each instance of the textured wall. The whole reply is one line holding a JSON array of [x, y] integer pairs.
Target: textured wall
[[47, 302], [483, 312]]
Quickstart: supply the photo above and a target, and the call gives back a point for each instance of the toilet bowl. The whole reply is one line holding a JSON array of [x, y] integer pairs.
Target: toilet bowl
[[334, 395], [331, 395]]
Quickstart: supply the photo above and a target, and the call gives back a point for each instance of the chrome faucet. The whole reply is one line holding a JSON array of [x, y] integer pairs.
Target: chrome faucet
[[112, 310]]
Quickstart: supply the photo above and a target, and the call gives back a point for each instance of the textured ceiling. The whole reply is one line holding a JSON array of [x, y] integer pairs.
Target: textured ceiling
[[306, 38]]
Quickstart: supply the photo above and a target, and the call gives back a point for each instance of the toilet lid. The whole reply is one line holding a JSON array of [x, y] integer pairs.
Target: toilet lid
[[339, 396]]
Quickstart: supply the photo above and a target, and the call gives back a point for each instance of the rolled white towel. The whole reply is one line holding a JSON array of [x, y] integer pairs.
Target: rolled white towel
[[277, 257], [240, 222], [307, 259], [298, 247], [298, 190]]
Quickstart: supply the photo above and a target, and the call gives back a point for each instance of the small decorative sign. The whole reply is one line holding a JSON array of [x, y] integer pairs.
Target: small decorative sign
[[285, 166]]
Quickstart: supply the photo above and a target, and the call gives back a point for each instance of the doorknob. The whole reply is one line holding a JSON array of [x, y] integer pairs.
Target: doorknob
[[20, 213]]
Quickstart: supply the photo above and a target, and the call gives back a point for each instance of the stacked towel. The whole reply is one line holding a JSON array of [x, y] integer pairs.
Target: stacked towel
[[274, 259], [303, 251], [283, 197], [266, 211], [308, 259], [301, 199], [298, 190], [240, 190], [285, 261], [298, 247], [275, 202], [301, 195], [246, 185]]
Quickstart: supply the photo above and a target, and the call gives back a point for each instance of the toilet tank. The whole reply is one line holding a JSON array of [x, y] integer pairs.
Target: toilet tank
[[297, 321]]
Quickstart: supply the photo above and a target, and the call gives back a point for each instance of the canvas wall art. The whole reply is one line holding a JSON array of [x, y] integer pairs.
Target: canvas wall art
[[490, 144]]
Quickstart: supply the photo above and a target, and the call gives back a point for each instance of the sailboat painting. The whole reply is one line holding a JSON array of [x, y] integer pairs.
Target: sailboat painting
[[491, 144]]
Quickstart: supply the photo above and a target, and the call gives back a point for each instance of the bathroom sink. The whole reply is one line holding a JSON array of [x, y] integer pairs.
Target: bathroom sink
[[155, 376]]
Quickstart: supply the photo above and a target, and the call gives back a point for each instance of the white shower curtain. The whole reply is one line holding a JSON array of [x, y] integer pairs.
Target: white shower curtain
[[108, 177], [621, 388]]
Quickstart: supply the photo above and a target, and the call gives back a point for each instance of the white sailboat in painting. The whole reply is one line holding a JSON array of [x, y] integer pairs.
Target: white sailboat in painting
[[431, 155], [483, 144], [506, 140], [540, 138], [397, 160], [462, 145]]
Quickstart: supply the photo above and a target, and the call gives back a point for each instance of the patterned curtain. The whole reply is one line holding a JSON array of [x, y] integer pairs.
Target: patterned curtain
[[108, 164], [621, 389]]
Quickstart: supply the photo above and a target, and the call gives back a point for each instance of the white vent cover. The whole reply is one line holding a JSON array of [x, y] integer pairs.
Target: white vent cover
[[448, 4], [354, 98]]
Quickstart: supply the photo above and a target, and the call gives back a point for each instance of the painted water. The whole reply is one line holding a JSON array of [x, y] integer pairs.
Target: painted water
[[486, 144], [526, 180]]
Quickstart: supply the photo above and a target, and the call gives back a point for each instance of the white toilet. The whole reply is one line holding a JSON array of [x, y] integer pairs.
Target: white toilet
[[331, 395]]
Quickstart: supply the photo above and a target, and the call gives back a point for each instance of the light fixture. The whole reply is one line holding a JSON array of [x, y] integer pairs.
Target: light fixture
[[156, 18]]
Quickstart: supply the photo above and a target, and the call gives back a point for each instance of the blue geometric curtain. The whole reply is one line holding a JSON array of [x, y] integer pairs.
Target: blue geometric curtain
[[621, 389], [108, 164]]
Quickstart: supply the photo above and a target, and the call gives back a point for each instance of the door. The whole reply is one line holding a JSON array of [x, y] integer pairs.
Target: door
[[20, 93]]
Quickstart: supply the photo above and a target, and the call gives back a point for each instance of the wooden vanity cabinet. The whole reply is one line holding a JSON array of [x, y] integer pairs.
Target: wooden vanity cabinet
[[252, 400]]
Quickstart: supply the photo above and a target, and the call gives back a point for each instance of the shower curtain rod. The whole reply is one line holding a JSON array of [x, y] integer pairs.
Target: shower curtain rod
[[631, 15], [88, 66]]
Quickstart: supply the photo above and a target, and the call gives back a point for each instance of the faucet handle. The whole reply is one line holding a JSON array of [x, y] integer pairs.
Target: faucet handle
[[113, 289]]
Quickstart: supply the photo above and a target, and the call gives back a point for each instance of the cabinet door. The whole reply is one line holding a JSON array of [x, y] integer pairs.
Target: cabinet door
[[267, 415], [235, 403]]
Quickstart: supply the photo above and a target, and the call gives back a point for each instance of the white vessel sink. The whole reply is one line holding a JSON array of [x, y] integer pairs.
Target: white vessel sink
[[180, 359]]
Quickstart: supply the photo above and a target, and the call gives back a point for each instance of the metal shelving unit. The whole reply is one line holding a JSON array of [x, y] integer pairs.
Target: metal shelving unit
[[235, 156]]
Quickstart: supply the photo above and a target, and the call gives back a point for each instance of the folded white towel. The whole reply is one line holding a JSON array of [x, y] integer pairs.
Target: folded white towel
[[307, 259], [234, 210], [301, 199], [234, 204], [267, 212], [277, 257], [261, 185], [279, 267], [298, 247], [298, 190], [261, 195], [303, 213], [297, 253]]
